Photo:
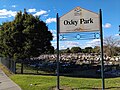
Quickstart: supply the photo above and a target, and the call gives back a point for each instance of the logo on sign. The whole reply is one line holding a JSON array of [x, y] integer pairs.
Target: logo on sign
[[77, 11]]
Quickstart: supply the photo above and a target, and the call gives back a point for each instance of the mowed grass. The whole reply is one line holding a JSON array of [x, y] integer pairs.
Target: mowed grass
[[40, 82]]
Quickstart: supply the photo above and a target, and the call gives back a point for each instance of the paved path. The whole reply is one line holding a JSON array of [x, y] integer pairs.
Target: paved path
[[6, 83]]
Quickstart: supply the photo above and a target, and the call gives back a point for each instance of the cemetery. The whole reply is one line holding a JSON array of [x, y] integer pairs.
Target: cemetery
[[78, 65]]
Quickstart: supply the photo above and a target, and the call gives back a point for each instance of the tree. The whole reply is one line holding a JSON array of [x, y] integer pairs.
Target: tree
[[24, 37], [50, 50], [96, 49], [110, 44], [75, 49], [117, 51], [88, 50], [67, 50]]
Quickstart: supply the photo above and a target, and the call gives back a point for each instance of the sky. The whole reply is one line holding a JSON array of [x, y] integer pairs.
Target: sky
[[47, 10]]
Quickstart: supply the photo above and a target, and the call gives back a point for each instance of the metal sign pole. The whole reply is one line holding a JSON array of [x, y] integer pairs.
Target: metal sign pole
[[58, 81], [102, 59]]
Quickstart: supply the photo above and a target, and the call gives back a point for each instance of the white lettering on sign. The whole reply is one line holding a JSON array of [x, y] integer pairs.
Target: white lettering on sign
[[79, 20]]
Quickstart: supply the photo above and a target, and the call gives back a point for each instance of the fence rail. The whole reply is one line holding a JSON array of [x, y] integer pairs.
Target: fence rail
[[9, 63]]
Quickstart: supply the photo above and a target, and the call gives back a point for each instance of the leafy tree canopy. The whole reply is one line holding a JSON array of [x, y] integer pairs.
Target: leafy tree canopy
[[75, 49], [24, 37], [88, 50]]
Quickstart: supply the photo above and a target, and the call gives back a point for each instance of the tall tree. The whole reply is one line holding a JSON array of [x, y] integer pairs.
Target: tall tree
[[110, 44], [24, 37]]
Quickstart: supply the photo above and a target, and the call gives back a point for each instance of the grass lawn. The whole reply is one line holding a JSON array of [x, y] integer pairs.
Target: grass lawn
[[40, 82]]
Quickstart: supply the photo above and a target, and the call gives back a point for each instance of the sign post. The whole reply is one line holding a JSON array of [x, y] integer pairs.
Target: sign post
[[58, 81], [80, 20], [102, 59]]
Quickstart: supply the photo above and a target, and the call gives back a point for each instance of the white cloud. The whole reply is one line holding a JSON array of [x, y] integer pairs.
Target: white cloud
[[50, 20], [54, 44], [66, 44], [13, 6], [46, 15], [107, 25], [92, 43], [117, 34], [54, 34], [73, 43], [31, 10], [70, 44], [4, 13], [3, 17], [41, 12], [53, 31]]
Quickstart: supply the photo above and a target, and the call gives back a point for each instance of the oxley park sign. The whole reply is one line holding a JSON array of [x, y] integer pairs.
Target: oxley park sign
[[79, 20]]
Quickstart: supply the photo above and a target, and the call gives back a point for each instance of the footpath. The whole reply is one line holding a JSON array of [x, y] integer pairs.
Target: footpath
[[6, 83]]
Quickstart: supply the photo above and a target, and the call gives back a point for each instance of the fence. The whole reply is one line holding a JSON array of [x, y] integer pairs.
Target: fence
[[9, 63], [68, 66]]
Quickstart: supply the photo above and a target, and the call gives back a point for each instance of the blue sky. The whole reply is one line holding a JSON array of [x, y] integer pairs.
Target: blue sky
[[47, 10]]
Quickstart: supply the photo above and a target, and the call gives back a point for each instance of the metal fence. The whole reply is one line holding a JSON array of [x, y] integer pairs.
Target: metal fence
[[9, 63], [71, 66]]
